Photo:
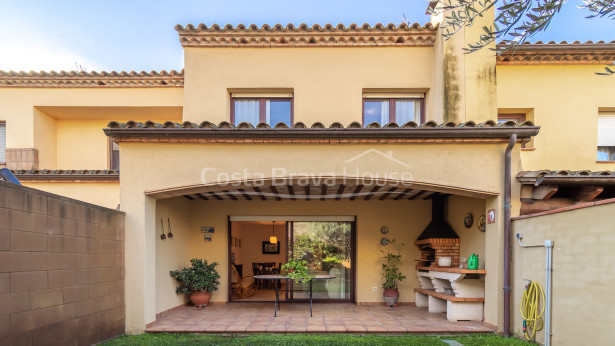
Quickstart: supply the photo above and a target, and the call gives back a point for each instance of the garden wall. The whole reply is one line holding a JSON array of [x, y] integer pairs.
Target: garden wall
[[61, 269], [583, 271]]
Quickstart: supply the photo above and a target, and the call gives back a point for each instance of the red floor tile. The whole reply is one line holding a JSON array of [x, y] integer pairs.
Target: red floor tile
[[294, 317]]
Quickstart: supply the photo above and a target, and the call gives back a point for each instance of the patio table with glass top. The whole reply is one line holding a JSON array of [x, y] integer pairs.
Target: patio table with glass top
[[276, 284]]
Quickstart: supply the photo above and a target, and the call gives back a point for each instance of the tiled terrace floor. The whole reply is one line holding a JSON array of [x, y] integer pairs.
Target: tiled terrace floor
[[295, 318]]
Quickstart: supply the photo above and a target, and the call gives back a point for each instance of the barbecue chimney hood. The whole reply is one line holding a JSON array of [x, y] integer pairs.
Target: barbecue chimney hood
[[438, 239], [438, 228]]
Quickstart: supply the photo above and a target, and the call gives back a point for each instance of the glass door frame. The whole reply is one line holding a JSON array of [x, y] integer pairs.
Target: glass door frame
[[353, 263]]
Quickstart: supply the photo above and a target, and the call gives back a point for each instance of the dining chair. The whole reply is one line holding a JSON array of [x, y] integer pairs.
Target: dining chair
[[256, 270]]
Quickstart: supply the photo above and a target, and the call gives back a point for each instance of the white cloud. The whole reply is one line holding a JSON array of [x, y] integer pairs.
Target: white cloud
[[27, 55]]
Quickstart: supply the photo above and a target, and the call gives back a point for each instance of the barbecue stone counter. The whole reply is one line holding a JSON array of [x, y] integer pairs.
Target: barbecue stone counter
[[458, 292]]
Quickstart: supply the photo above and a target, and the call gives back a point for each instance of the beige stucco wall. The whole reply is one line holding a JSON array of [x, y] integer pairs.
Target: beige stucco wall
[[18, 105], [472, 240], [82, 144], [469, 166], [174, 165], [327, 82], [103, 194], [565, 101], [45, 139], [479, 72], [583, 273], [171, 253], [464, 84]]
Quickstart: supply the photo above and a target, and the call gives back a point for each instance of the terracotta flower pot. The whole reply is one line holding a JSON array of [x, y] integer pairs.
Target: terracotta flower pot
[[391, 295], [200, 299]]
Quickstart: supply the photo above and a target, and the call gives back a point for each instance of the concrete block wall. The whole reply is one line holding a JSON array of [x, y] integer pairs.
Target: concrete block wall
[[61, 269]]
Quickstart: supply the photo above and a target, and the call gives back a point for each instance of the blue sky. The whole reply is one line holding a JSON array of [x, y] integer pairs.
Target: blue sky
[[139, 35]]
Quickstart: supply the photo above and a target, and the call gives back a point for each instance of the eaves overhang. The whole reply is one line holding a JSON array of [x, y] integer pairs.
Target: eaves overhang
[[466, 132], [65, 175], [82, 79], [566, 178]]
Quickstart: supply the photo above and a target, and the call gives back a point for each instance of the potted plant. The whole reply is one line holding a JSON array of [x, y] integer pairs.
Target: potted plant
[[199, 281], [391, 274], [297, 270]]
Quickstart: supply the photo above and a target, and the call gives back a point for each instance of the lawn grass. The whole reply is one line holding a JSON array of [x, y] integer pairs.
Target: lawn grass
[[309, 339]]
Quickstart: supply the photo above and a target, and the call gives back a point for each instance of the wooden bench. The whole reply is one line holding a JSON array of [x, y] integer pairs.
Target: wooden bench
[[458, 292], [447, 296]]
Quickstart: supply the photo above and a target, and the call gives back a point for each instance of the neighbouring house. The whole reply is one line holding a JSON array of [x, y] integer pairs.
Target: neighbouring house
[[377, 132]]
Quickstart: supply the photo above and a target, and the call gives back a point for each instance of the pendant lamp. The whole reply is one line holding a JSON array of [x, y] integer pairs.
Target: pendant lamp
[[273, 239]]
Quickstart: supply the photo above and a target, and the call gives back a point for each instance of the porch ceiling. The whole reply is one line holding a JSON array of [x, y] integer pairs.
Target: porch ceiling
[[321, 188]]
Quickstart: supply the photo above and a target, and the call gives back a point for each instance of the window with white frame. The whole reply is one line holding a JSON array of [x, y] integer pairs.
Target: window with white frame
[[2, 141], [606, 136], [400, 108], [255, 108]]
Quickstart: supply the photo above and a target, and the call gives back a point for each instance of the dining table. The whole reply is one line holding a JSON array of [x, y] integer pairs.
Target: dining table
[[266, 268], [277, 282]]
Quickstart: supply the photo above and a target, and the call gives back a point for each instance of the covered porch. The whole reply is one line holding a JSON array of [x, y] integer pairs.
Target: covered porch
[[405, 208], [295, 318], [192, 179]]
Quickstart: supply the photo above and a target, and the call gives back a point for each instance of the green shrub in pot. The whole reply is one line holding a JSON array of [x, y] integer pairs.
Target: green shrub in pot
[[199, 280], [391, 273]]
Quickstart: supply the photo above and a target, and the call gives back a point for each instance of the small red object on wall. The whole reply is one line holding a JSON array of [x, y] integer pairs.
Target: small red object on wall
[[491, 216]]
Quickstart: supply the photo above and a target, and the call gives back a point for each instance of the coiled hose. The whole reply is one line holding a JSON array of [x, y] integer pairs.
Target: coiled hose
[[532, 310]]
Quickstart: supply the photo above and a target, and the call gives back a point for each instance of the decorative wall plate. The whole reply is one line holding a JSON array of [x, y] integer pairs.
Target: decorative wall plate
[[384, 230], [481, 223], [384, 241], [468, 220]]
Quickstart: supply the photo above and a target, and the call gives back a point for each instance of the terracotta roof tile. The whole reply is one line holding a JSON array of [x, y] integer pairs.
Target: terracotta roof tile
[[566, 177], [564, 173], [306, 36], [65, 171], [67, 175], [316, 125], [562, 53], [81, 79], [411, 132]]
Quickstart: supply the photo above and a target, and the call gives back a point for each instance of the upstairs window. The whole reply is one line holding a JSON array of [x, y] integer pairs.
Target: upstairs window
[[114, 155], [2, 141], [518, 115], [518, 118], [606, 137], [265, 108], [386, 108]]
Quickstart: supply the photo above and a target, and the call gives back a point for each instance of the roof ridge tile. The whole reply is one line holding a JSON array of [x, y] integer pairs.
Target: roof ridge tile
[[303, 27], [305, 36]]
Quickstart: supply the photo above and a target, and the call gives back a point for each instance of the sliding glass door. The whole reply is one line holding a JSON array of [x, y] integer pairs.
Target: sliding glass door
[[328, 248]]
